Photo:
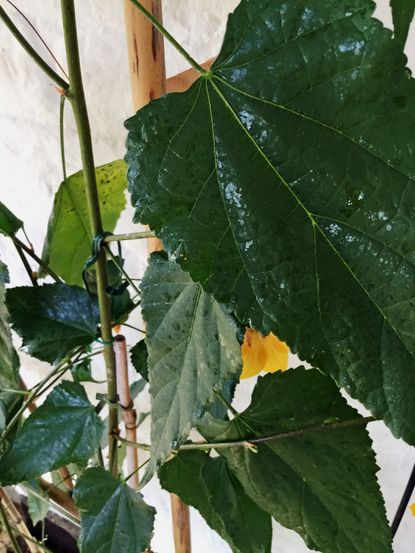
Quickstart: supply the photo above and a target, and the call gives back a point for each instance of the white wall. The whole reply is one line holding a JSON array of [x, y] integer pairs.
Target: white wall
[[31, 172]]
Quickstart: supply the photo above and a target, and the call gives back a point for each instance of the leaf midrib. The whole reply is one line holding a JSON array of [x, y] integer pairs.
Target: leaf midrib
[[309, 214]]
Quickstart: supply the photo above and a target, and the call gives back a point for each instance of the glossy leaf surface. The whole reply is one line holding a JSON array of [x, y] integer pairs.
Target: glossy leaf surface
[[64, 429], [402, 13], [114, 518], [209, 486], [68, 243], [284, 183], [320, 479], [192, 349], [53, 319], [9, 223]]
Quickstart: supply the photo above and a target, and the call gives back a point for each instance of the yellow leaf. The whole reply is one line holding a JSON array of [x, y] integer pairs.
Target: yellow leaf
[[263, 353], [412, 507]]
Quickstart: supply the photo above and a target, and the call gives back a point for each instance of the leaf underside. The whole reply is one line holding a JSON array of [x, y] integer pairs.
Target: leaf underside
[[192, 350], [68, 242], [275, 184], [64, 429], [321, 482], [113, 516]]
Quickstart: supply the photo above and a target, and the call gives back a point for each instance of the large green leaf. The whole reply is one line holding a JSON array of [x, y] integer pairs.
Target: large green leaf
[[9, 223], [284, 183], [318, 480], [114, 518], [53, 319], [64, 429], [68, 243], [403, 13], [209, 486], [192, 349]]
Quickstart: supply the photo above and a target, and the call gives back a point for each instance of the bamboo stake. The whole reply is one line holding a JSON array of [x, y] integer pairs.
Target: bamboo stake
[[17, 520], [182, 81], [129, 414], [148, 80]]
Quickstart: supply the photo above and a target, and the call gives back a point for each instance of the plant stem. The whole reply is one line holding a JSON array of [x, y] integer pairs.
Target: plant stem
[[16, 546], [76, 96], [169, 37], [249, 442], [31, 51], [403, 505], [129, 236], [32, 254], [62, 134], [122, 270], [33, 278]]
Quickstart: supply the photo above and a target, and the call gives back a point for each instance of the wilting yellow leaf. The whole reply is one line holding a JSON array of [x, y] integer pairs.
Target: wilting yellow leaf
[[412, 507], [263, 353]]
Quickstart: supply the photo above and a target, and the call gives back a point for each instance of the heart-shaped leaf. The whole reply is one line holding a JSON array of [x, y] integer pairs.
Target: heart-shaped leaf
[[113, 516], [283, 180], [64, 429]]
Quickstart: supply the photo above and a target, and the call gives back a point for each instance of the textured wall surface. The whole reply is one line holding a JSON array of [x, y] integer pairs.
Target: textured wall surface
[[31, 172]]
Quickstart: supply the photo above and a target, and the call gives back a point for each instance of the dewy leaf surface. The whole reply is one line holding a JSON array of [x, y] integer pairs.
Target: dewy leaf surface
[[114, 518], [68, 243], [208, 485], [284, 182], [64, 429], [402, 13], [192, 349], [320, 483], [53, 319]]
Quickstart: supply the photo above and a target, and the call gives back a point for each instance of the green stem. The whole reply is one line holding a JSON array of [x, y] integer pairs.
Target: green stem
[[76, 96], [31, 539], [226, 404], [62, 134], [31, 51], [122, 270], [32, 254], [32, 276], [169, 37], [249, 442], [16, 546], [129, 236]]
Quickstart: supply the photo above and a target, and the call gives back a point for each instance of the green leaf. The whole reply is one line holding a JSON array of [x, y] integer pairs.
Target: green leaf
[[113, 516], [53, 319], [68, 242], [9, 362], [9, 223], [38, 504], [284, 182], [209, 486], [316, 479], [139, 358], [64, 429], [82, 372], [192, 349], [402, 13]]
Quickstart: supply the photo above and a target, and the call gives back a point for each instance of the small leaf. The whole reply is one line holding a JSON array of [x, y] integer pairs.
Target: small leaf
[[192, 349], [114, 518], [209, 486], [137, 387], [402, 13], [315, 479], [53, 319], [82, 372], [263, 353], [68, 243], [9, 223], [8, 358], [64, 429], [139, 359], [38, 505]]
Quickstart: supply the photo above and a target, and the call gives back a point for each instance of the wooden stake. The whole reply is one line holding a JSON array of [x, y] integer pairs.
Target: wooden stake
[[148, 80], [129, 414], [17, 522]]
